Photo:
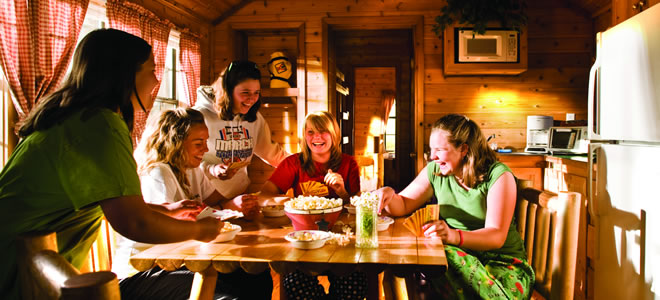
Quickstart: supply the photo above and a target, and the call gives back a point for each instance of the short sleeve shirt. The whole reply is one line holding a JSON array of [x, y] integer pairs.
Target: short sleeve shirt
[[466, 210], [55, 179]]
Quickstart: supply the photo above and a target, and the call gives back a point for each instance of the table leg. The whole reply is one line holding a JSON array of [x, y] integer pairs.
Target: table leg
[[203, 287], [282, 289]]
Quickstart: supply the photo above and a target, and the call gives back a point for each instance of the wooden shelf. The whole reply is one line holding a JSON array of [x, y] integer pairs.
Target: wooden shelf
[[279, 95], [451, 67]]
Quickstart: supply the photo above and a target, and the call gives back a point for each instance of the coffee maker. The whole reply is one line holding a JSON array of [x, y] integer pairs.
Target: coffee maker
[[538, 129]]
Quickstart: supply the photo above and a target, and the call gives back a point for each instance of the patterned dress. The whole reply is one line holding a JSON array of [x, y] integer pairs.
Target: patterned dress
[[496, 274]]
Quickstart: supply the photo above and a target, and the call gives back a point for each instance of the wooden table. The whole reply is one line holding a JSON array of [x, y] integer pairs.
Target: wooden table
[[261, 244]]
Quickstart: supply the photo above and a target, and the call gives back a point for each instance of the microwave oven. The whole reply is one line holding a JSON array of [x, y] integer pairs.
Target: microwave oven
[[568, 140], [494, 45]]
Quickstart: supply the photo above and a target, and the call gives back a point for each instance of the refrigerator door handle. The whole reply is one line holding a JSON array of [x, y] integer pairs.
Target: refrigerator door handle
[[593, 125], [591, 197]]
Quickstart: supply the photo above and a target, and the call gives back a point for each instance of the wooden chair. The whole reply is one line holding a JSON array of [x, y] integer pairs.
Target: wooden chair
[[44, 274], [548, 224]]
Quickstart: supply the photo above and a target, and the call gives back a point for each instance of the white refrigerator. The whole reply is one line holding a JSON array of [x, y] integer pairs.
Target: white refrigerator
[[624, 152]]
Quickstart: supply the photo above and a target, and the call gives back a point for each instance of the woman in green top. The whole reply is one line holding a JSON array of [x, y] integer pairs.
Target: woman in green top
[[477, 197], [74, 162]]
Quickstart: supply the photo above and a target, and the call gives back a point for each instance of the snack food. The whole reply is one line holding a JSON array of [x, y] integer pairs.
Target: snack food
[[312, 202]]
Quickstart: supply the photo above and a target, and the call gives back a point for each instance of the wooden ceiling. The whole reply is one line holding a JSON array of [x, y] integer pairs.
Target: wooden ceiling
[[215, 11]]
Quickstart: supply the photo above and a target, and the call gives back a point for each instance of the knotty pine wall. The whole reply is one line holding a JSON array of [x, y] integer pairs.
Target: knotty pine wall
[[561, 42]]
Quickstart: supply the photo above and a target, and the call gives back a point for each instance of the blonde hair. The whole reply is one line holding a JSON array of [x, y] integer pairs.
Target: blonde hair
[[320, 121], [479, 158], [165, 144]]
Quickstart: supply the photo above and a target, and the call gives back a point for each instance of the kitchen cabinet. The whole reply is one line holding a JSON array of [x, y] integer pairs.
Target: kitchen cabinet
[[624, 9], [525, 166], [566, 174]]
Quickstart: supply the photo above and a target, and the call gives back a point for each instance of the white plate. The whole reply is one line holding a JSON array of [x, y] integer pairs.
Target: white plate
[[384, 223], [350, 208], [296, 239], [227, 235]]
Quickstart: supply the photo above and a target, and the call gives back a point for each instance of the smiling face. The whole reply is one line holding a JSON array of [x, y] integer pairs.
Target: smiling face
[[245, 95], [145, 81], [319, 143], [443, 153], [194, 146]]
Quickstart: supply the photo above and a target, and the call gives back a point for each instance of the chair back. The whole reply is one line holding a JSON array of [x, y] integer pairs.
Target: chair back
[[548, 224], [44, 274]]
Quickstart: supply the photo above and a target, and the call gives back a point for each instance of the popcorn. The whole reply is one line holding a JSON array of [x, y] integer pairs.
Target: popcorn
[[366, 199], [312, 202]]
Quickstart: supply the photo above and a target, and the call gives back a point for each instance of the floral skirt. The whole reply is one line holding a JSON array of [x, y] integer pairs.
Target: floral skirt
[[484, 275]]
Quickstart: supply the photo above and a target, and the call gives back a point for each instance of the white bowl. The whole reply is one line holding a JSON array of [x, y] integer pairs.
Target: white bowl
[[273, 210], [350, 208], [307, 239], [384, 223], [227, 235]]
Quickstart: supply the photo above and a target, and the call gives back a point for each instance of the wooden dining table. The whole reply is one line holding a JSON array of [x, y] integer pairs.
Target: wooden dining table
[[261, 245]]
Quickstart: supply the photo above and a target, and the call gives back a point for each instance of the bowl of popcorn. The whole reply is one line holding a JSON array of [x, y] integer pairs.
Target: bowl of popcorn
[[227, 232], [307, 239], [384, 223], [308, 212]]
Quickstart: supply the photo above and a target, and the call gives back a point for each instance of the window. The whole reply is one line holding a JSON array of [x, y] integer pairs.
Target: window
[[390, 131]]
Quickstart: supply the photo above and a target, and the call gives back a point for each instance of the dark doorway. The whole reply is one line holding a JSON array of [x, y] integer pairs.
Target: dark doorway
[[351, 49]]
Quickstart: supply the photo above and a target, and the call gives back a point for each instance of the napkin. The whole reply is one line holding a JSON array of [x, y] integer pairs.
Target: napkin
[[223, 214]]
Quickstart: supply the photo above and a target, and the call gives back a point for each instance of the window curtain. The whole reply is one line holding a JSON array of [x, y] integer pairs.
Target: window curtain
[[138, 21], [190, 57], [37, 41], [388, 97]]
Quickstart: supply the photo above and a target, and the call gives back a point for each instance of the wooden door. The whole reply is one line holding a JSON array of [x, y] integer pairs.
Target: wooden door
[[344, 113]]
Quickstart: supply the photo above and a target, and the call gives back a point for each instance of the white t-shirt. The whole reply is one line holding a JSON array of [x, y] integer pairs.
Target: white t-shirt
[[158, 186]]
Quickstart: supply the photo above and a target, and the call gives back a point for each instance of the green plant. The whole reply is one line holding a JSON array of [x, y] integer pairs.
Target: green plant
[[478, 13]]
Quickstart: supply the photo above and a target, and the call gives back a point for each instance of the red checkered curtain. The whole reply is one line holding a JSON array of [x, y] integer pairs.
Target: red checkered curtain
[[37, 41], [138, 21], [190, 55]]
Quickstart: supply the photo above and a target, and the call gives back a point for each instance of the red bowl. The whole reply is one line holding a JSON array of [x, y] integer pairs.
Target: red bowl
[[306, 219]]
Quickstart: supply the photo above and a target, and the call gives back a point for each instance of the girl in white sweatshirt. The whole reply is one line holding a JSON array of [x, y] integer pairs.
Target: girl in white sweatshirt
[[236, 129]]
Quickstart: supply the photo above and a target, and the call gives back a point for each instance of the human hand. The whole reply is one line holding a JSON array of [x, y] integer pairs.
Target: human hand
[[209, 229], [384, 194], [335, 181], [440, 229], [247, 204], [223, 172], [185, 209]]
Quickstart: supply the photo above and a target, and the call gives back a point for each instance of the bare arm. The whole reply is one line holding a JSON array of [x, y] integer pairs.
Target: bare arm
[[134, 219], [501, 203], [412, 197]]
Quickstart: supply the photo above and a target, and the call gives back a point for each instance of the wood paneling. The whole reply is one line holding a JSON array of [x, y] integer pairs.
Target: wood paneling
[[561, 47]]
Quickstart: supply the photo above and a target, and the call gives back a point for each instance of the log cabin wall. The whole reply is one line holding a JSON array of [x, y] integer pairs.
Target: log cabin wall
[[560, 53]]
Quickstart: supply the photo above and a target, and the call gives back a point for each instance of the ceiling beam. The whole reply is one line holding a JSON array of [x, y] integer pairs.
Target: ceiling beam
[[183, 10], [231, 11]]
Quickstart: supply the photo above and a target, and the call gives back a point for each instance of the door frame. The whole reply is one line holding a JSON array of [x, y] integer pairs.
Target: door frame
[[416, 24]]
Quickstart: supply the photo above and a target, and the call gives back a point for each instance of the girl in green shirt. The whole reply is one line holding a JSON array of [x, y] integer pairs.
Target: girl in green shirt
[[477, 198]]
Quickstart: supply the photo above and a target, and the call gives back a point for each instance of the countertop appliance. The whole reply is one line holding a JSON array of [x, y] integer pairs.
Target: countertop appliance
[[537, 133], [568, 140], [624, 148]]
